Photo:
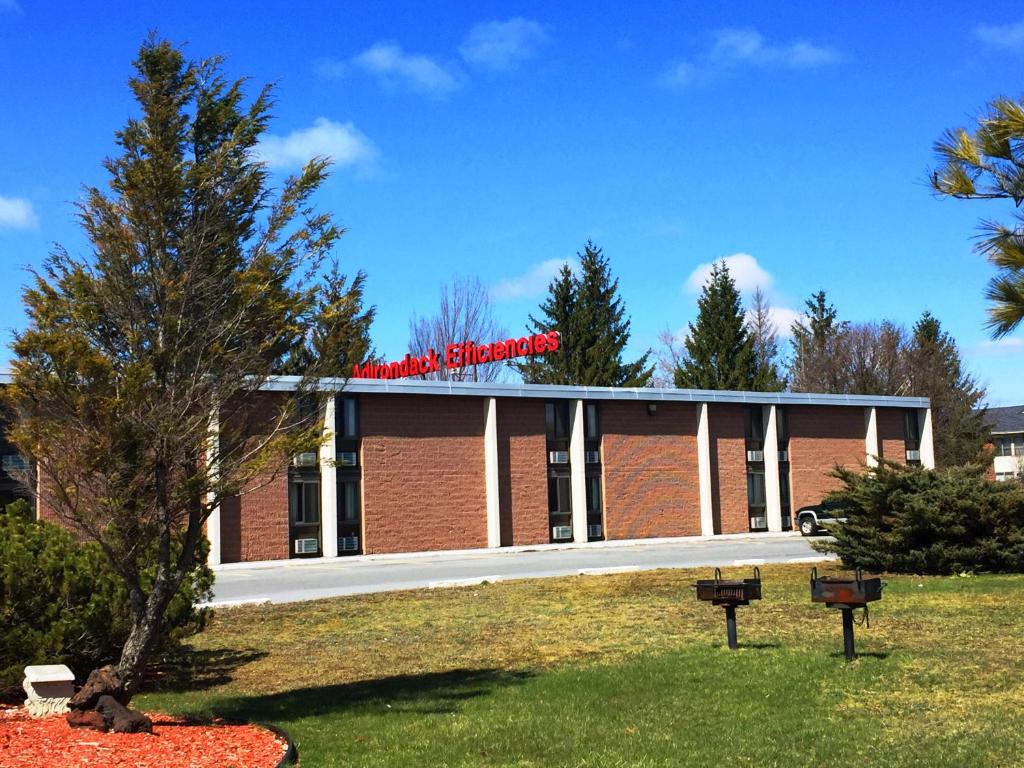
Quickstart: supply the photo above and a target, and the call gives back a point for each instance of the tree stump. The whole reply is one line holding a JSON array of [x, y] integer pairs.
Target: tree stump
[[100, 704]]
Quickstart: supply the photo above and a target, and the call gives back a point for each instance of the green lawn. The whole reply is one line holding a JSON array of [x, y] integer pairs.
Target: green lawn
[[623, 670]]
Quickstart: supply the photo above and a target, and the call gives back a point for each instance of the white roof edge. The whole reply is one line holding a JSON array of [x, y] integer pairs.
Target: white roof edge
[[556, 391]]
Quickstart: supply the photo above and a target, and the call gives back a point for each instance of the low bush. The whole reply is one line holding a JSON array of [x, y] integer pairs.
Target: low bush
[[913, 520], [62, 602]]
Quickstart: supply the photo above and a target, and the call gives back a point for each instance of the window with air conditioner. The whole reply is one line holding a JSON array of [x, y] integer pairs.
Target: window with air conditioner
[[347, 459], [306, 459], [594, 531], [558, 457], [561, 532], [348, 544], [307, 546], [304, 500], [14, 462]]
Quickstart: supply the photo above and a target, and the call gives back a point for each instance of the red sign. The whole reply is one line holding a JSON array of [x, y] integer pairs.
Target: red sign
[[459, 356]]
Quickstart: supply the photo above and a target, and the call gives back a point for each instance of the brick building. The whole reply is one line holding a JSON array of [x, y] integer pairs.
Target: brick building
[[428, 465]]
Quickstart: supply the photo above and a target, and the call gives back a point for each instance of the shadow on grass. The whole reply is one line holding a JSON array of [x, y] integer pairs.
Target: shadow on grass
[[440, 693], [862, 655], [186, 669]]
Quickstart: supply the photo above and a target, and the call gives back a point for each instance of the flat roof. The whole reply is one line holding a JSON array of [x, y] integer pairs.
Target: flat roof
[[556, 391]]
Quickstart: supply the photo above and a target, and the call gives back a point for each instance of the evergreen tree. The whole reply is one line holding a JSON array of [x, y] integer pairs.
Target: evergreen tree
[[766, 345], [719, 350], [591, 318], [988, 164], [937, 373], [816, 364], [198, 282], [339, 335]]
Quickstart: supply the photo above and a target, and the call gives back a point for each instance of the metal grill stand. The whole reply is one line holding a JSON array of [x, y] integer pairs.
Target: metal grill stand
[[729, 594], [846, 595]]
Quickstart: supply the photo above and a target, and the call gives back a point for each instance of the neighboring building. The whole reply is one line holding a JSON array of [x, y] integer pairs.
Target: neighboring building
[[1007, 441], [439, 465]]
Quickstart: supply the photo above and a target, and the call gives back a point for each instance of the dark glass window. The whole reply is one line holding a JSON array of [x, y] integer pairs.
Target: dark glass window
[[347, 424], [556, 416], [593, 493], [755, 489], [348, 501], [753, 425], [911, 430], [559, 493], [590, 425], [304, 500]]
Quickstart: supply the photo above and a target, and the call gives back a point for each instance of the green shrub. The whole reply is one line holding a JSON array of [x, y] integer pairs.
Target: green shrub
[[61, 601], [914, 520]]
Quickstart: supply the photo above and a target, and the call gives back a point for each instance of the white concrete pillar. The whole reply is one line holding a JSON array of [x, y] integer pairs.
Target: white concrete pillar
[[772, 491], [491, 471], [707, 507], [872, 449], [329, 481], [213, 459], [577, 476], [924, 422]]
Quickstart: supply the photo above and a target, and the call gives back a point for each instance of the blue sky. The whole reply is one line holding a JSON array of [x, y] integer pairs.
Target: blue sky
[[493, 139]]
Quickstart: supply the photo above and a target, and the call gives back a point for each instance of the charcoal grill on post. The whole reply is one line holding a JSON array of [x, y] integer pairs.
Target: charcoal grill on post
[[729, 594], [846, 595]]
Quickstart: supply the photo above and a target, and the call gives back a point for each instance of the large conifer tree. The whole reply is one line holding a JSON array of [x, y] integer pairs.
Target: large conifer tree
[[719, 349], [937, 373], [591, 319]]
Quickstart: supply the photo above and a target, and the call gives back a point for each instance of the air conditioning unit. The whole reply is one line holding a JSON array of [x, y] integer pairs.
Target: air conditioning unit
[[758, 522], [913, 455], [307, 459], [592, 457], [347, 459], [558, 457], [561, 532], [348, 543], [783, 455], [755, 455], [306, 546], [594, 531]]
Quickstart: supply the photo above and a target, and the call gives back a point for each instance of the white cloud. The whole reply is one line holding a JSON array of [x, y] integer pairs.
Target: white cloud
[[732, 49], [532, 283], [1008, 345], [743, 268], [748, 276], [394, 67], [503, 44], [342, 142], [1007, 37], [17, 213]]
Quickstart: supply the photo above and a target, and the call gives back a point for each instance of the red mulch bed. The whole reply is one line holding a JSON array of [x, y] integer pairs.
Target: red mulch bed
[[174, 743]]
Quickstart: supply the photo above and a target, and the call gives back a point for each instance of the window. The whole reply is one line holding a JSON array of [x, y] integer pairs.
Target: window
[[590, 430], [348, 501], [14, 462], [753, 425], [347, 425], [304, 500], [755, 489], [1017, 445], [594, 493], [911, 430], [556, 417], [559, 493]]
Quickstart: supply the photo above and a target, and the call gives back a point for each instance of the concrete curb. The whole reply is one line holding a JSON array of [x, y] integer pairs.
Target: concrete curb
[[356, 560]]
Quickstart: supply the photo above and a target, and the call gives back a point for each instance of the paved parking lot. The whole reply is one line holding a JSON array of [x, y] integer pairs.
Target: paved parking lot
[[293, 581]]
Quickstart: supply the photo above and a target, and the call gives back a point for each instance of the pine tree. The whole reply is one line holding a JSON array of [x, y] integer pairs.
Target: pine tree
[[766, 345], [816, 364], [719, 350], [937, 373], [340, 329], [591, 318], [557, 314]]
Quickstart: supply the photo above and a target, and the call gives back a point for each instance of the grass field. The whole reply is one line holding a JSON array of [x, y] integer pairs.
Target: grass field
[[622, 670]]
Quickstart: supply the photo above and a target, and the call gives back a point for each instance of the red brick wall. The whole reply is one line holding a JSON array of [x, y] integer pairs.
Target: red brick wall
[[821, 437], [650, 470], [890, 434], [254, 526], [522, 471], [423, 472], [728, 468]]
